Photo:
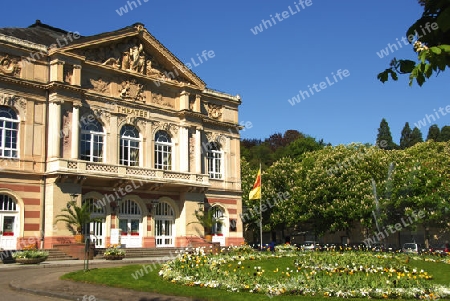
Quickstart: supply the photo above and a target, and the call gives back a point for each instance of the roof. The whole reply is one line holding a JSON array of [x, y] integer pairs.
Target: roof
[[38, 33]]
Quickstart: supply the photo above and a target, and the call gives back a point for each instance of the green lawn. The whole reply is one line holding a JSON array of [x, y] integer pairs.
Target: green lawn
[[129, 277]]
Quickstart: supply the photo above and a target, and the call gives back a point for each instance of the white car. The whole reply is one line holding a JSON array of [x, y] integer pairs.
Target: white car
[[309, 246]]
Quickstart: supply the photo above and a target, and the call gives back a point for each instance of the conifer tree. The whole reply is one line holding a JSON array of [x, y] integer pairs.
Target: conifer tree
[[384, 136], [433, 133], [405, 138]]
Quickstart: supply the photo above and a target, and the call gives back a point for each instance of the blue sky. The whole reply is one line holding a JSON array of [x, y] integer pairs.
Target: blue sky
[[309, 44]]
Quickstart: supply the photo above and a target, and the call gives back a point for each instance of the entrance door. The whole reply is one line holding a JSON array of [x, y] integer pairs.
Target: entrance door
[[164, 233], [9, 223], [164, 225], [96, 230], [130, 224], [97, 234]]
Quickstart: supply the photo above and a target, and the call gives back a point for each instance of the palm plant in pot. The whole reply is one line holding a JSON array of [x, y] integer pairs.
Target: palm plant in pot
[[76, 217], [208, 220]]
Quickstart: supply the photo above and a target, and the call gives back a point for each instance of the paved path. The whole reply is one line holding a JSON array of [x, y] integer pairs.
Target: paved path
[[41, 283]]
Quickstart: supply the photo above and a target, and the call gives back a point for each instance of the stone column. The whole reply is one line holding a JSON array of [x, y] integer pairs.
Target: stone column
[[54, 130], [56, 71], [76, 77], [183, 137], [75, 143], [198, 151], [184, 100]]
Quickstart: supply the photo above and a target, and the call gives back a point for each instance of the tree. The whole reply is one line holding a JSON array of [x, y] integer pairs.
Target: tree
[[76, 218], [384, 136], [433, 48], [405, 139], [433, 133], [445, 134], [416, 136]]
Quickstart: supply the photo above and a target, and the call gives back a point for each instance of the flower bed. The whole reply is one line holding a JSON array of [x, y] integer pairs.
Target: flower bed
[[347, 274], [113, 252], [30, 255]]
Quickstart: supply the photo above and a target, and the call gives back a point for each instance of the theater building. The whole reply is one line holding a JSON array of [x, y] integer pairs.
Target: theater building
[[116, 120]]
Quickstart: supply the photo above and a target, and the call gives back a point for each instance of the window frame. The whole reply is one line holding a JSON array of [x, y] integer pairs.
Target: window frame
[[13, 132], [214, 158], [92, 136], [129, 140], [163, 150]]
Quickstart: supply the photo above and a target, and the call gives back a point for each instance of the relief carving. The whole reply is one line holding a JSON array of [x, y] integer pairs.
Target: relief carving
[[68, 73], [14, 101], [158, 99], [128, 55], [214, 111], [191, 153], [99, 85], [101, 114], [165, 126], [65, 132], [9, 66], [131, 90]]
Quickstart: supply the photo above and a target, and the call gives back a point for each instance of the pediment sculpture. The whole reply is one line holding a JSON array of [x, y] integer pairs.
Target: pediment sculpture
[[129, 56]]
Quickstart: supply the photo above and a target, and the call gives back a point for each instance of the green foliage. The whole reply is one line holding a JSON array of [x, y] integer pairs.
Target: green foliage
[[206, 218], [433, 48], [292, 143], [331, 189], [76, 217]]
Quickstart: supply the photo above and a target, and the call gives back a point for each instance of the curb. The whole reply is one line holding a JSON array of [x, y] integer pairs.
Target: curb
[[17, 287], [78, 262]]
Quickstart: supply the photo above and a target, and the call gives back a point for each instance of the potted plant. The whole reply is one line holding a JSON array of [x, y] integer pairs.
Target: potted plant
[[76, 218], [29, 255], [114, 253], [208, 221]]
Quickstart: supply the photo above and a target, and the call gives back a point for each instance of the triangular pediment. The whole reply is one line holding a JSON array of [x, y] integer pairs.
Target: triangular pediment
[[133, 50]]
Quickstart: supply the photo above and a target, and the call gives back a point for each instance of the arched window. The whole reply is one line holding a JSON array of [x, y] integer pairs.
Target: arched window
[[92, 138], [163, 151], [218, 216], [214, 157], [7, 203], [130, 207], [130, 220], [9, 128], [9, 219], [129, 146], [164, 209]]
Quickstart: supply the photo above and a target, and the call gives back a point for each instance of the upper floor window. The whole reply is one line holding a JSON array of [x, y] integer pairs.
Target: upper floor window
[[9, 128], [129, 145], [92, 139], [214, 157], [163, 151]]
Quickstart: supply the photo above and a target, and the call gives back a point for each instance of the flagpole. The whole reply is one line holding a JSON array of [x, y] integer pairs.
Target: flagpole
[[260, 210]]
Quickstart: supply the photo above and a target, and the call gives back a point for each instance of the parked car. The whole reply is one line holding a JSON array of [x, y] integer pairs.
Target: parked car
[[411, 248], [442, 249], [310, 246]]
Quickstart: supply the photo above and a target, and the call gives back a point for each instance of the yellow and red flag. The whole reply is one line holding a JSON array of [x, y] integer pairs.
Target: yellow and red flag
[[255, 193]]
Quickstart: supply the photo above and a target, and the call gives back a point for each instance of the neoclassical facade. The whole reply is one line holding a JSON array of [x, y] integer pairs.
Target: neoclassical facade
[[116, 120]]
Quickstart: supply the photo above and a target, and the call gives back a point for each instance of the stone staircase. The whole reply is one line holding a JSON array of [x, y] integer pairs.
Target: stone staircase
[[144, 252], [55, 254]]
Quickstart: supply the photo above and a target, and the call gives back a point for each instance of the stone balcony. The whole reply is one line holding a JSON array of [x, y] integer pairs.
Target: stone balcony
[[104, 170]]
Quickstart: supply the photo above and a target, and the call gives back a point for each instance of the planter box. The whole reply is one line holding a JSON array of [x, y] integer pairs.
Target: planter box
[[114, 257], [31, 260]]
